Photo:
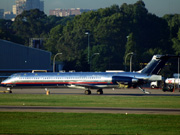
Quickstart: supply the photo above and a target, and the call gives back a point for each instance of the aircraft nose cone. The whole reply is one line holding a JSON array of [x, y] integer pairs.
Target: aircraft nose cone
[[4, 83]]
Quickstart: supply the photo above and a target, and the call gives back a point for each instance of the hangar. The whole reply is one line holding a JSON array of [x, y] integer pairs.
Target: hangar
[[19, 58]]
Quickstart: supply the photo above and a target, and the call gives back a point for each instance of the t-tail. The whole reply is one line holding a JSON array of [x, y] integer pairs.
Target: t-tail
[[156, 64]]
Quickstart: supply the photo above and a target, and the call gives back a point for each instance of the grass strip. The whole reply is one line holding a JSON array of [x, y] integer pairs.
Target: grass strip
[[90, 101], [73, 123]]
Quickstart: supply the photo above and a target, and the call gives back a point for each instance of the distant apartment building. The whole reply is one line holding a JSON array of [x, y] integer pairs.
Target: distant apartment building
[[22, 5], [68, 12], [1, 13]]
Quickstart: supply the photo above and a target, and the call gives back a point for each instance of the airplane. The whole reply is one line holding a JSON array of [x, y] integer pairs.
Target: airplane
[[89, 80]]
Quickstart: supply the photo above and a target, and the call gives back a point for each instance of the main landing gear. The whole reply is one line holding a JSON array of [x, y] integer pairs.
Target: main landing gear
[[87, 92], [99, 92]]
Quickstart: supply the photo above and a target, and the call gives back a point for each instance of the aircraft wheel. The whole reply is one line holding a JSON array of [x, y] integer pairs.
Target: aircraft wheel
[[8, 91], [87, 92], [100, 92]]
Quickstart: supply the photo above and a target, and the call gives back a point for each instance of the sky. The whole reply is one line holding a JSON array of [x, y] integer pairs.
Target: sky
[[158, 7]]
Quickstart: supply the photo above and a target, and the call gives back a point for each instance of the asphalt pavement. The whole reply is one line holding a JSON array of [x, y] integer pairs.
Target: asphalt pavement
[[111, 92], [107, 92]]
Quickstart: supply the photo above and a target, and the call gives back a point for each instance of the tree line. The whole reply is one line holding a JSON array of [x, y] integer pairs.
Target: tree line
[[113, 32]]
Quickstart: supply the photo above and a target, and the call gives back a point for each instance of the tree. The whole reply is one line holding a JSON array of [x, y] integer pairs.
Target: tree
[[52, 42], [31, 24], [109, 28], [53, 20], [6, 32], [174, 24], [176, 43]]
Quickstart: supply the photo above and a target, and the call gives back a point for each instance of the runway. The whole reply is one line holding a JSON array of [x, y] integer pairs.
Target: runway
[[89, 110]]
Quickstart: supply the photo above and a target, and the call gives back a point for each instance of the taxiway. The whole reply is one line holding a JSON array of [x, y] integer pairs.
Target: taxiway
[[107, 92]]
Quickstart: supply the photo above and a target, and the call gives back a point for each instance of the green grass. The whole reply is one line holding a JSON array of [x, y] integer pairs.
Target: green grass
[[73, 123], [90, 101], [87, 123]]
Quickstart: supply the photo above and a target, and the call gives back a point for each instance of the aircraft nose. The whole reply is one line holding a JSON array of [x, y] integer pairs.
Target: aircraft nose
[[4, 83]]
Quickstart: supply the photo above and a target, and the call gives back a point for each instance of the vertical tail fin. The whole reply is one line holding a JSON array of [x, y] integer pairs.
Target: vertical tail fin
[[156, 64]]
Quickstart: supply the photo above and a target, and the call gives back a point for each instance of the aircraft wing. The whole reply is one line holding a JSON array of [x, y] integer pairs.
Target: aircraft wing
[[82, 86], [85, 86]]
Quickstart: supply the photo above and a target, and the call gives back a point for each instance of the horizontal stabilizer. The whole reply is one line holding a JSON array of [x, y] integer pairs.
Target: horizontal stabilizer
[[155, 78]]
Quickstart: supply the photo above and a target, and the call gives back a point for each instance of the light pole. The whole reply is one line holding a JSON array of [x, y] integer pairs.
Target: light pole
[[54, 61], [131, 63], [91, 59], [131, 53], [87, 33]]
